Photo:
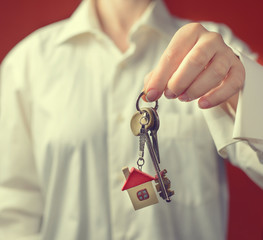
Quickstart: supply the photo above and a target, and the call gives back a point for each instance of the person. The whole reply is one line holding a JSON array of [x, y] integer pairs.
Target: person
[[68, 92]]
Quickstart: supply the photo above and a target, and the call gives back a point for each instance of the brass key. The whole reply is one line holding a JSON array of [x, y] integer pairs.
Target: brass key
[[138, 119]]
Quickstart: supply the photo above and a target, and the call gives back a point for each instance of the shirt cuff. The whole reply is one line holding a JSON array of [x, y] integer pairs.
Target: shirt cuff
[[221, 127], [246, 125], [249, 114]]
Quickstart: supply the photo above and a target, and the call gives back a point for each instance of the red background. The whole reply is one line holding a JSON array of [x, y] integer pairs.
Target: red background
[[18, 18]]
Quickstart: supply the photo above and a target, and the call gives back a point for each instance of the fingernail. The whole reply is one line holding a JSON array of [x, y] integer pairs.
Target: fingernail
[[184, 98], [203, 103], [152, 95], [169, 94]]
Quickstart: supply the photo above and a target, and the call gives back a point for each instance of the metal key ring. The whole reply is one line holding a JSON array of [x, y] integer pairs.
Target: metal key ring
[[137, 103], [140, 163]]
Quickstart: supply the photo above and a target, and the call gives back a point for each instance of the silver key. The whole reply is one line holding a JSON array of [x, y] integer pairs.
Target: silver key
[[163, 183], [164, 194], [142, 139], [153, 133]]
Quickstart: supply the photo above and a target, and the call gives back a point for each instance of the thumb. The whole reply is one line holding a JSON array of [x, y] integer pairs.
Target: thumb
[[146, 82]]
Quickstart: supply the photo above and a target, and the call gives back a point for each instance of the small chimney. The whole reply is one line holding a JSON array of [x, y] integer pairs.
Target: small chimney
[[126, 172]]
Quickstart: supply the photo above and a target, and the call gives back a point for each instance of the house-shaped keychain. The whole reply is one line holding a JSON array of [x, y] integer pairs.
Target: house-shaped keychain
[[139, 187]]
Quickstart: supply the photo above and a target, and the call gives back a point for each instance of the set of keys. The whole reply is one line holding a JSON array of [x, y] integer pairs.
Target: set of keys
[[145, 124]]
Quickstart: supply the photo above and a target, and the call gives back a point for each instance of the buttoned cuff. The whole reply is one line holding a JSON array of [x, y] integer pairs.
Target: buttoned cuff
[[247, 124], [221, 126], [249, 114]]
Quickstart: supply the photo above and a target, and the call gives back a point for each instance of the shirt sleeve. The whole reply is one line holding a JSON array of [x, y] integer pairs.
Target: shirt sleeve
[[21, 203], [239, 136]]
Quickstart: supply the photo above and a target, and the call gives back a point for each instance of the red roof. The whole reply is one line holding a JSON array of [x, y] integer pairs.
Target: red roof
[[136, 178]]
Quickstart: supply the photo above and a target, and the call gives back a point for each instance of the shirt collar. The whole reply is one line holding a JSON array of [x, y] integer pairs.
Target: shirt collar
[[158, 18], [84, 20]]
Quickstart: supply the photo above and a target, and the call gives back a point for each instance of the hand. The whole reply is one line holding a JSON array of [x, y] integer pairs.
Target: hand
[[196, 64]]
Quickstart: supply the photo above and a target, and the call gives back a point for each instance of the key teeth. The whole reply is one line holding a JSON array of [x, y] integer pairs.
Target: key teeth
[[163, 172], [167, 184], [142, 140], [169, 192]]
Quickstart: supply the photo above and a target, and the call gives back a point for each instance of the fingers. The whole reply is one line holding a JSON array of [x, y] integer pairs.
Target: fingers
[[193, 67], [196, 64], [209, 77], [171, 59], [231, 85], [146, 80]]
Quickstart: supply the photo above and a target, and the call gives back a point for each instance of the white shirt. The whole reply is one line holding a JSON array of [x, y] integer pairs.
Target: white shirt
[[67, 97]]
